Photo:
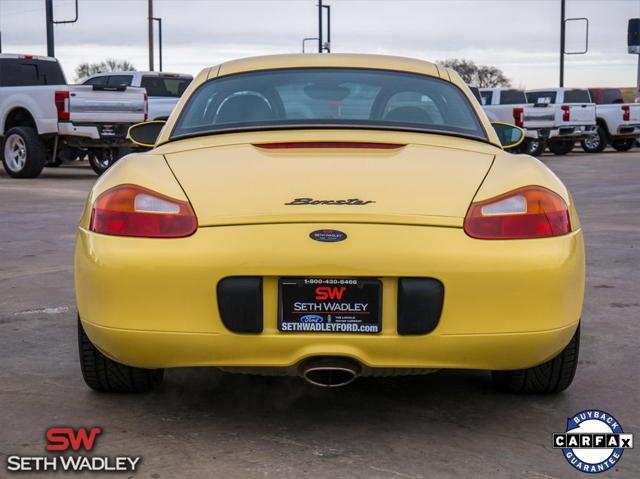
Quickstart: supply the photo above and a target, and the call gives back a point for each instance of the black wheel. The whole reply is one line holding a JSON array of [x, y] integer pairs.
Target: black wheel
[[561, 147], [595, 143], [623, 145], [102, 159], [105, 375], [534, 147], [551, 377], [23, 153]]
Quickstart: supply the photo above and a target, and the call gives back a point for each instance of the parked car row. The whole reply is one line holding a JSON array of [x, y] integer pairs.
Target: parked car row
[[556, 118], [44, 121]]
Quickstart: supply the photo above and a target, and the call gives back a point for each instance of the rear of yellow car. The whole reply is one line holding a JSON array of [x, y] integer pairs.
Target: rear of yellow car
[[329, 253]]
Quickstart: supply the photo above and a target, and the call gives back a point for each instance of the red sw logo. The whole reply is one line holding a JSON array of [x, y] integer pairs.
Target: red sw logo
[[327, 292], [65, 438]]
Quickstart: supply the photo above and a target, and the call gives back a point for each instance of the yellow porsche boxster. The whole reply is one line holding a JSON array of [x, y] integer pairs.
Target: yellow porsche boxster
[[329, 216]]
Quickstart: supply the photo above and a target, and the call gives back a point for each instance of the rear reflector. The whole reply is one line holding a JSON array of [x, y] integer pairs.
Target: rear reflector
[[329, 144]]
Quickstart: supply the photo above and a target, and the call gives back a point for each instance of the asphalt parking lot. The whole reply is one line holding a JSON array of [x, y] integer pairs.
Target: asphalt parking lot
[[204, 423]]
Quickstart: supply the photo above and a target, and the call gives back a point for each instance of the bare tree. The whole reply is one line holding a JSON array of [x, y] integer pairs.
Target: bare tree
[[482, 76], [109, 65]]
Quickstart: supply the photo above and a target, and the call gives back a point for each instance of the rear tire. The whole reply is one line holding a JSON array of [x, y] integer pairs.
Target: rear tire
[[23, 152], [548, 378], [103, 158], [623, 145], [561, 147], [596, 143], [534, 147], [106, 375]]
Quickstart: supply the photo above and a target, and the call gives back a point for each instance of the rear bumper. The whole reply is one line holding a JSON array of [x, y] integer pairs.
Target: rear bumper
[[628, 131], [152, 303], [94, 135], [576, 132]]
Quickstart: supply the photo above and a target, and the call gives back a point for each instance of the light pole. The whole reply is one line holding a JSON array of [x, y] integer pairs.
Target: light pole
[[48, 7], [150, 19], [305, 40], [328, 44], [320, 26], [159, 20], [562, 32], [321, 44]]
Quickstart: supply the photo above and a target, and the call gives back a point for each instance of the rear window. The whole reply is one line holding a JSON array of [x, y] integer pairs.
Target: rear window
[[486, 97], [577, 96], [165, 86], [328, 97], [96, 81], [119, 80], [512, 97], [612, 95], [541, 96], [23, 72]]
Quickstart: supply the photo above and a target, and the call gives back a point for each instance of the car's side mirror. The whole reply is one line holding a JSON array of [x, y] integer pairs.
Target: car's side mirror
[[510, 136], [145, 134]]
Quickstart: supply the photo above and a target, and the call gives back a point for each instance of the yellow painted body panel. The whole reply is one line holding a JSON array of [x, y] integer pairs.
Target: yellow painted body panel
[[152, 303], [509, 304]]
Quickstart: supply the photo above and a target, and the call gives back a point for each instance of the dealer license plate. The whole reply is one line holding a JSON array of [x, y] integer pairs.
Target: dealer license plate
[[326, 305]]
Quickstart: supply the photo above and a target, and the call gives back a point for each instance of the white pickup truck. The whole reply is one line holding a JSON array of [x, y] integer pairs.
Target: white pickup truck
[[618, 122], [573, 115], [43, 120], [164, 89], [509, 105]]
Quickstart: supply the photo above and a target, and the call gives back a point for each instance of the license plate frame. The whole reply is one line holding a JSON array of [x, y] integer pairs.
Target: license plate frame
[[341, 305]]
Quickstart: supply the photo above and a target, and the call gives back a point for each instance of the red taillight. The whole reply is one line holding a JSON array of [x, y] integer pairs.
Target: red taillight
[[566, 112], [61, 99], [146, 107], [131, 210], [329, 144], [626, 113], [529, 212], [518, 116]]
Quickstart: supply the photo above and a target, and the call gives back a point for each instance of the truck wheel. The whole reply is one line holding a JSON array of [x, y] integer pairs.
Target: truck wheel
[[623, 145], [24, 153], [595, 143], [102, 159], [106, 375], [534, 147], [561, 147], [551, 377]]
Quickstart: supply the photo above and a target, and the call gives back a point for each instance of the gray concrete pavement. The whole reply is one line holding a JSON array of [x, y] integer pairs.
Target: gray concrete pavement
[[204, 423]]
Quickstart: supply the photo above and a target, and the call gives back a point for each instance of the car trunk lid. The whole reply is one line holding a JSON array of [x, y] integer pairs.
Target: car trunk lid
[[274, 183]]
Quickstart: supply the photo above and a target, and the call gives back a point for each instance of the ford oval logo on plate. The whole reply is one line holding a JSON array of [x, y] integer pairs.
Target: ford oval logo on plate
[[328, 236]]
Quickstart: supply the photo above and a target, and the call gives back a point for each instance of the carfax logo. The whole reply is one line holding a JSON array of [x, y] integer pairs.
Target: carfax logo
[[65, 439], [593, 442]]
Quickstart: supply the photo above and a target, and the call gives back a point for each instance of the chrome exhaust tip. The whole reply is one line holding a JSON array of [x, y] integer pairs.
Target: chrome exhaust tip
[[330, 372]]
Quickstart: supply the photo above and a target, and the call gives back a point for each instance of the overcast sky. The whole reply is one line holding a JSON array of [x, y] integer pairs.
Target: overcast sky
[[519, 36]]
